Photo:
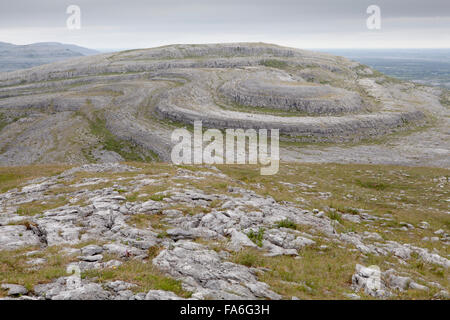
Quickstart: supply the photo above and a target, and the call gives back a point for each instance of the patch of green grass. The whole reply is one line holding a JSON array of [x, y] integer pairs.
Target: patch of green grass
[[162, 235], [247, 258], [144, 275], [7, 177], [344, 209], [127, 149], [256, 237], [132, 197], [37, 207], [143, 221], [377, 185], [335, 216], [286, 224], [158, 197], [13, 177], [153, 251], [14, 269]]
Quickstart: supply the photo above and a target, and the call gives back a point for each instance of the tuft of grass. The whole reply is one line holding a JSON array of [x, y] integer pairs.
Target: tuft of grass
[[143, 221], [286, 224], [377, 185], [256, 237], [132, 197], [6, 178], [149, 192], [158, 197], [247, 258], [162, 234], [335, 216], [191, 211], [344, 209], [153, 251], [351, 210]]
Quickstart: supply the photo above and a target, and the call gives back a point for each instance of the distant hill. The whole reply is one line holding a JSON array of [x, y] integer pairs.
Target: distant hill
[[14, 57]]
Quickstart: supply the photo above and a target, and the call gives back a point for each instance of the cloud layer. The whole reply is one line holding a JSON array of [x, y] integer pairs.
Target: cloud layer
[[306, 24]]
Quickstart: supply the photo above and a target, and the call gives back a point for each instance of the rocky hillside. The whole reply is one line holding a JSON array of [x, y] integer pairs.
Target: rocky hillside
[[157, 231], [14, 57], [124, 106]]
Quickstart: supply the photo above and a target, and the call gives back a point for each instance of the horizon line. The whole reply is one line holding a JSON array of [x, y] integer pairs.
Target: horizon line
[[301, 48]]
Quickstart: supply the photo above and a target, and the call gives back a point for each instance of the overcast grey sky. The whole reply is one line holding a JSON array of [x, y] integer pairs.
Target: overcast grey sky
[[120, 24]]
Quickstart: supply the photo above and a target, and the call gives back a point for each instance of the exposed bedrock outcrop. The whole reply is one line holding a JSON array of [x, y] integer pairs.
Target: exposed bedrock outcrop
[[132, 229], [292, 96]]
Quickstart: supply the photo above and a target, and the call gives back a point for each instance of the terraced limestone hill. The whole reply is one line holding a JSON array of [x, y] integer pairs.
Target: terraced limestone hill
[[124, 106]]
